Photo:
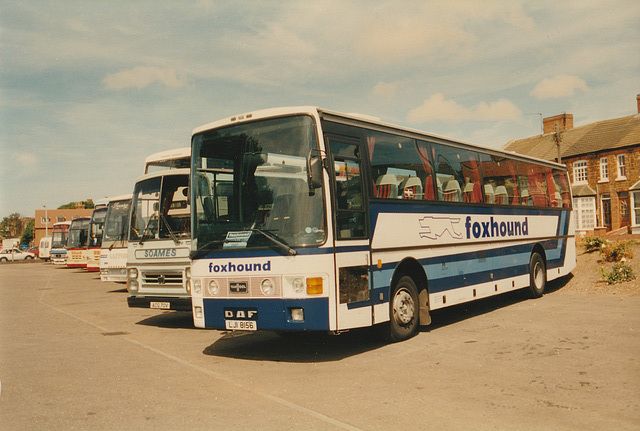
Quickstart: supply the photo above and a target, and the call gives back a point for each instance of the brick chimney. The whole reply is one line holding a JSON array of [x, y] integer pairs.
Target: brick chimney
[[564, 122], [638, 101]]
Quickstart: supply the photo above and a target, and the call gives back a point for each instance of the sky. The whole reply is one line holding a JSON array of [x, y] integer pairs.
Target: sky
[[88, 89]]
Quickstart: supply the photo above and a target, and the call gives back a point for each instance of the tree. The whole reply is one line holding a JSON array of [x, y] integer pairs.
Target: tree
[[11, 226], [28, 233], [72, 205]]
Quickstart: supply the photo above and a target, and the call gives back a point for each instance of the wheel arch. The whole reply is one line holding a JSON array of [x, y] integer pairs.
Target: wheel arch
[[538, 248], [537, 286], [412, 268]]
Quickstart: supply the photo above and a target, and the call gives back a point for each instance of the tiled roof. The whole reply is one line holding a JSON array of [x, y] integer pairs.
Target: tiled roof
[[583, 190], [592, 138]]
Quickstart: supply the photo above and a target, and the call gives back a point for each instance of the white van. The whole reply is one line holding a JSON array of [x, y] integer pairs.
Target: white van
[[44, 249]]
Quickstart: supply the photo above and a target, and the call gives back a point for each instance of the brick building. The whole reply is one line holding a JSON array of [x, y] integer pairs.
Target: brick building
[[603, 159], [45, 218]]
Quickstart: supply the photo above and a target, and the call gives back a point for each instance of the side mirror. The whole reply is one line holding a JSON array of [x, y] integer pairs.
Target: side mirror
[[314, 172]]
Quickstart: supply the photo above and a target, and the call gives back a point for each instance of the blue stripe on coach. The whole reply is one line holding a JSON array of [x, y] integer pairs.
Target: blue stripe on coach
[[273, 314]]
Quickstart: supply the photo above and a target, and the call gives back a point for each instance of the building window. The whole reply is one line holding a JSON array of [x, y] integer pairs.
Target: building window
[[580, 172], [605, 204], [604, 169], [622, 168], [585, 209], [625, 211], [60, 219], [45, 220], [635, 202]]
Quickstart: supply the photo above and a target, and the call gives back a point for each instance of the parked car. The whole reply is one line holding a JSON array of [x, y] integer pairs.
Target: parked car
[[34, 250], [13, 254]]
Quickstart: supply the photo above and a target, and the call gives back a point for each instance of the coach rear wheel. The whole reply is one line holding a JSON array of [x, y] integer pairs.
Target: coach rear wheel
[[404, 310], [537, 275]]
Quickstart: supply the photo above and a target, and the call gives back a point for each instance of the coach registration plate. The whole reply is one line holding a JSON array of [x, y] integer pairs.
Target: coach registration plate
[[241, 325], [160, 305]]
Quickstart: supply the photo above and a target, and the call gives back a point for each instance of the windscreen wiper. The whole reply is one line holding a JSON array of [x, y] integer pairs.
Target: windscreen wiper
[[271, 237], [120, 240], [146, 227], [171, 233]]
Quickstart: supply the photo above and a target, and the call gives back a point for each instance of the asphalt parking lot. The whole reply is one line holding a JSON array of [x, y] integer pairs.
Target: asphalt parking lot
[[74, 356]]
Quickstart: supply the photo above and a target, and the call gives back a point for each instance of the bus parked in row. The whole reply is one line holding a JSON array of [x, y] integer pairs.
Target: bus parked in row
[[96, 230], [177, 158], [113, 254], [311, 220], [159, 237], [59, 237], [77, 251]]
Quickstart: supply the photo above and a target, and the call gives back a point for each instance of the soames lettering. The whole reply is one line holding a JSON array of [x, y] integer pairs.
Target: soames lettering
[[239, 267], [168, 252], [493, 229]]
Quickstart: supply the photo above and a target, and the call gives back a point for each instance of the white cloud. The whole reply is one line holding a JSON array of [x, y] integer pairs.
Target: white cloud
[[141, 77], [437, 108], [401, 33], [391, 39], [386, 90], [26, 159], [558, 86]]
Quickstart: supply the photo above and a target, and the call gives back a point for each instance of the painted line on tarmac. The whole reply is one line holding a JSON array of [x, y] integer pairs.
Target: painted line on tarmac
[[218, 376]]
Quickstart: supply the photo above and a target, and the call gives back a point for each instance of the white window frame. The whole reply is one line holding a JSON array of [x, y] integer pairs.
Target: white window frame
[[622, 167], [580, 172], [585, 211], [604, 169], [634, 196]]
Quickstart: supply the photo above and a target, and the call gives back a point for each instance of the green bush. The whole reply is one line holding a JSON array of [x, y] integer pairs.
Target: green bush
[[593, 243], [619, 272], [617, 251]]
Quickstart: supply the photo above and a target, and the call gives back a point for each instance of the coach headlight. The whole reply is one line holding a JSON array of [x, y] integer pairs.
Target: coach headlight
[[213, 287], [267, 287], [197, 286], [132, 285], [132, 273], [298, 285], [187, 279]]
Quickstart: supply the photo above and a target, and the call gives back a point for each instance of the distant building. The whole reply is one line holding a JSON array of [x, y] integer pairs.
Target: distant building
[[603, 159], [44, 225]]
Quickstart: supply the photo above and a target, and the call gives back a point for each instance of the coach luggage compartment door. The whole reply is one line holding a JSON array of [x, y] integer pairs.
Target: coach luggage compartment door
[[351, 233]]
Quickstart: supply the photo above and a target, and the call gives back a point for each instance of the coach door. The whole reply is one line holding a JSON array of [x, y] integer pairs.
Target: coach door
[[351, 234]]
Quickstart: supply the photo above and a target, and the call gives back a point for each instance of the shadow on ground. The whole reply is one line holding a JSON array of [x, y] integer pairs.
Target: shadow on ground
[[123, 290], [295, 347], [169, 319]]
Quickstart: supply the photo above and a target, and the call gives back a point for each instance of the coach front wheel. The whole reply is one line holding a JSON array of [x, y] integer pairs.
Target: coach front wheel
[[537, 275], [404, 310]]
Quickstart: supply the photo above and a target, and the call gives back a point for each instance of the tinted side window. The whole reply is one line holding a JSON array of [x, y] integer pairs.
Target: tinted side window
[[457, 174], [562, 191], [348, 189], [400, 166], [501, 185]]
